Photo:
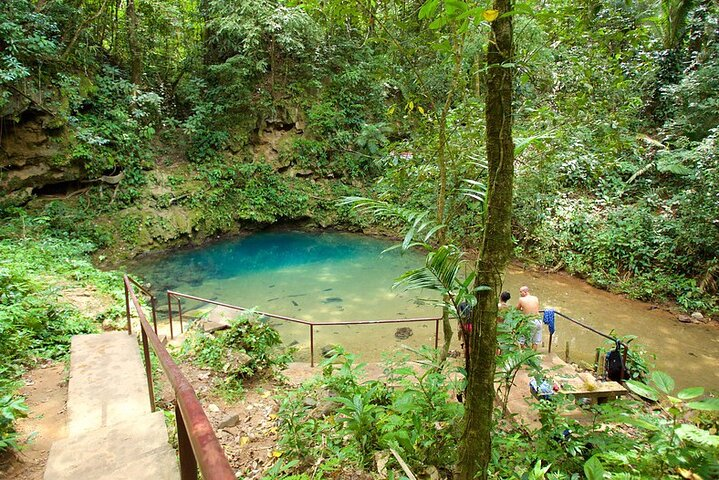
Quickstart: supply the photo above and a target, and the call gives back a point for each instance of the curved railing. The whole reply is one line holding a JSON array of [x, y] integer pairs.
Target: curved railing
[[312, 325], [198, 445]]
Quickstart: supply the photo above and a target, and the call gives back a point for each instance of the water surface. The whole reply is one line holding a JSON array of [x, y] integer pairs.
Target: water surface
[[328, 277]]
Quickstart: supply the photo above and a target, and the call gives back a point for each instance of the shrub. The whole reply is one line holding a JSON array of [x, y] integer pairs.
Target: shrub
[[249, 347]]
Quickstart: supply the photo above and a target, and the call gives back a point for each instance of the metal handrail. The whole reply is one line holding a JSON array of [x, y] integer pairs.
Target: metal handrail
[[153, 303], [312, 325], [617, 341], [198, 445]]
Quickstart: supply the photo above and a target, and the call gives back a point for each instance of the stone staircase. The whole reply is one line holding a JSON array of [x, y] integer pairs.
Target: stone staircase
[[112, 434]]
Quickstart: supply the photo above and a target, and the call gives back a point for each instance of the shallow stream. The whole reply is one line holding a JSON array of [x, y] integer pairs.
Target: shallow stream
[[326, 277]]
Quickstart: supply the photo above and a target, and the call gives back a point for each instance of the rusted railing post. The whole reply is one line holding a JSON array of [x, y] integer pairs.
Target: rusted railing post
[[312, 345], [188, 463], [436, 334], [153, 303], [179, 312], [127, 310], [169, 313], [566, 352], [148, 369]]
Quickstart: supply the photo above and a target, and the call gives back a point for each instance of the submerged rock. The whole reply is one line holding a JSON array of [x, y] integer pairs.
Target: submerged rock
[[403, 333]]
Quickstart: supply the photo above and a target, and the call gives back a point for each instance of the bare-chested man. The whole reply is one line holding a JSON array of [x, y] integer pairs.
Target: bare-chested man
[[529, 305]]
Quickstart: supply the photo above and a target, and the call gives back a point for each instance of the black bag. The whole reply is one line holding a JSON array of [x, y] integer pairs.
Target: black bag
[[616, 370]]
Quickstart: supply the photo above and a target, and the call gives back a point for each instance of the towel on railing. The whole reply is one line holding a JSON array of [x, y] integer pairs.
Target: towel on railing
[[549, 319]]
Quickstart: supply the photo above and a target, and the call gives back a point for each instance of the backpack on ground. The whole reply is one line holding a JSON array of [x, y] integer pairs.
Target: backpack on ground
[[616, 370]]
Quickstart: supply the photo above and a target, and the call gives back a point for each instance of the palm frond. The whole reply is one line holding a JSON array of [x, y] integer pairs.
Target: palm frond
[[440, 273], [521, 144], [516, 361], [477, 191], [417, 224]]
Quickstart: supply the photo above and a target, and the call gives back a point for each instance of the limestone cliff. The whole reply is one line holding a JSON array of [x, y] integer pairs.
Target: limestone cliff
[[33, 154]]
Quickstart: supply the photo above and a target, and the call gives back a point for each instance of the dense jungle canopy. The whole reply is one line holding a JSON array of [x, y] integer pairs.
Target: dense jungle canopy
[[135, 125]]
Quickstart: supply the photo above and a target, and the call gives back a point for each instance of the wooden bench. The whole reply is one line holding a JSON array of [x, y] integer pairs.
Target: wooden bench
[[584, 385]]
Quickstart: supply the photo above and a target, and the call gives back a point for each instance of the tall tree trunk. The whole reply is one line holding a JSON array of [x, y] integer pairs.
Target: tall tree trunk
[[494, 253], [133, 44]]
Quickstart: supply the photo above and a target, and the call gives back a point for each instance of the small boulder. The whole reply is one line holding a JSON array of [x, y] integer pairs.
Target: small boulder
[[698, 316], [229, 421], [432, 473], [236, 362], [304, 173]]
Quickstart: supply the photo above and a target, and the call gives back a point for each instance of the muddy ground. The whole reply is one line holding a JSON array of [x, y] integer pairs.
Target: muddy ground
[[45, 391]]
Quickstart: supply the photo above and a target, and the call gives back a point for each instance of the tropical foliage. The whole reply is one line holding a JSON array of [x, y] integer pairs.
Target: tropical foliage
[[336, 421], [249, 347], [155, 123]]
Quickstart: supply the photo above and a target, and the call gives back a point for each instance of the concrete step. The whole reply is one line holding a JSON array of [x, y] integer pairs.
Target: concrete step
[[134, 449], [107, 382]]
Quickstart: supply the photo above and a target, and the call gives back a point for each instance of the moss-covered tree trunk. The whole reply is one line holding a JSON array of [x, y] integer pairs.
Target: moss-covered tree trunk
[[494, 253]]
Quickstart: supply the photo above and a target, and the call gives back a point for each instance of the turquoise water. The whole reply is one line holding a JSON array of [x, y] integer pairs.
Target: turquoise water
[[338, 277], [318, 277]]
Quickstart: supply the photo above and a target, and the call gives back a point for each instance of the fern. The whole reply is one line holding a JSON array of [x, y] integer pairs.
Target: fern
[[689, 432]]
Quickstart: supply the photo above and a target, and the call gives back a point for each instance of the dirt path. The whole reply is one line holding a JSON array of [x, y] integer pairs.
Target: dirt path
[[45, 391]]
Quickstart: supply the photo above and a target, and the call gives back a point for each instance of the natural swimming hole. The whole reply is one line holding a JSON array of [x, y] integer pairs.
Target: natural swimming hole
[[330, 276], [317, 277]]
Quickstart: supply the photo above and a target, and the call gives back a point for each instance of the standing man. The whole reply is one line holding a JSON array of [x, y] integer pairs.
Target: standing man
[[529, 305]]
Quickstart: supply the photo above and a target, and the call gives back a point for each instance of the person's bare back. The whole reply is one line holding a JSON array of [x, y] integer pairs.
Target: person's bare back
[[528, 304]]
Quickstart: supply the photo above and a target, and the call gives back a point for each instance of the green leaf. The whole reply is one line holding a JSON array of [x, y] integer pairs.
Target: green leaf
[[593, 469], [428, 9], [521, 9], [675, 168], [642, 390], [664, 382], [641, 423], [695, 434], [708, 405], [453, 6], [438, 23], [689, 393], [472, 12], [521, 144]]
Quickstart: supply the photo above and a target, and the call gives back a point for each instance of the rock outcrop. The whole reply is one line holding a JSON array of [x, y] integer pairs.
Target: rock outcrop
[[33, 153]]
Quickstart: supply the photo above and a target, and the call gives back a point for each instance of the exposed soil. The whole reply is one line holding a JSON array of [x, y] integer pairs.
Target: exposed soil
[[87, 299], [45, 391], [248, 428]]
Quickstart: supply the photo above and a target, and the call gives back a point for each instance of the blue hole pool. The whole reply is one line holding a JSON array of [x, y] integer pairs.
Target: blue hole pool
[[319, 277]]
